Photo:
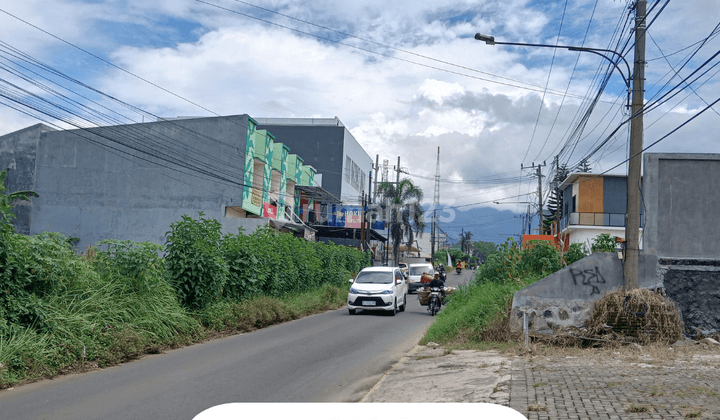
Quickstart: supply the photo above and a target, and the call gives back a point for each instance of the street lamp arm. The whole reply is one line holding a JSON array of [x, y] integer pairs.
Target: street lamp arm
[[599, 51], [490, 40]]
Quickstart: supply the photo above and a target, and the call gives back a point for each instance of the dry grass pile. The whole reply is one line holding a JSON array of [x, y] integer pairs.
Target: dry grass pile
[[640, 315]]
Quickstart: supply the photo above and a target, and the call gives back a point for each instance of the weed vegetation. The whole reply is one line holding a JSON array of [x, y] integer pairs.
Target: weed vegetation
[[63, 312], [476, 314]]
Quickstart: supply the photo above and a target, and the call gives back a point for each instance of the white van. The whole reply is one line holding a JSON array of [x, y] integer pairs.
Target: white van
[[415, 271]]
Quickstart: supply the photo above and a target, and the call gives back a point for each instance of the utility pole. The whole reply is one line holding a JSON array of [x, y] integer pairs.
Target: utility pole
[[362, 227], [436, 203], [385, 178], [632, 226], [377, 169], [539, 192], [540, 203], [397, 185], [397, 182]]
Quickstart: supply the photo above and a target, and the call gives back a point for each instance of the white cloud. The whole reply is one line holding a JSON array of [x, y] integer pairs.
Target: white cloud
[[438, 91]]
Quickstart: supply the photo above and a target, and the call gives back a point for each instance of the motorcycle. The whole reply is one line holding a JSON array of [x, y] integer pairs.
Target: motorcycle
[[436, 300], [458, 269]]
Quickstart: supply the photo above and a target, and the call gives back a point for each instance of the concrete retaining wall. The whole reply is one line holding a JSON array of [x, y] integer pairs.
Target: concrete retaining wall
[[566, 298]]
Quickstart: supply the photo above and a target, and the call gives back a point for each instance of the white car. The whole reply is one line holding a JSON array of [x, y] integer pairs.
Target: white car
[[415, 272], [378, 288]]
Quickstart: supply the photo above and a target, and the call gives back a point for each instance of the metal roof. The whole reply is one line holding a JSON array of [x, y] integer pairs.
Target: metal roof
[[317, 193]]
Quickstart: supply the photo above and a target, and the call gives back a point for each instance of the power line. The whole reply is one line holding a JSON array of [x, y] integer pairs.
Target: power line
[[547, 82], [534, 89]]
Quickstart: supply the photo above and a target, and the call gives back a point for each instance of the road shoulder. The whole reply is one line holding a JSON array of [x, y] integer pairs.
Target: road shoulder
[[428, 374]]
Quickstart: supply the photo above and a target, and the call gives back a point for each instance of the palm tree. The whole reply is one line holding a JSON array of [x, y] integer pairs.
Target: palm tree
[[406, 213]]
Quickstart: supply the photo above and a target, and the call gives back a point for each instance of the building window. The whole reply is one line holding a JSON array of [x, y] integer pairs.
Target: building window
[[348, 169]]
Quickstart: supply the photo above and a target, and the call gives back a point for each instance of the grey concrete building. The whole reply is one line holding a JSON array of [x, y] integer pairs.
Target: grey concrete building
[[131, 181], [327, 145], [682, 240]]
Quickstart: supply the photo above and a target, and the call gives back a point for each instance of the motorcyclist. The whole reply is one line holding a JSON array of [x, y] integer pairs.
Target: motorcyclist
[[441, 271], [437, 282]]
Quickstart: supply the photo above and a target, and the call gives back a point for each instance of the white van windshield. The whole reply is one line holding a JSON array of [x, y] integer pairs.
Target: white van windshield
[[374, 277], [418, 270]]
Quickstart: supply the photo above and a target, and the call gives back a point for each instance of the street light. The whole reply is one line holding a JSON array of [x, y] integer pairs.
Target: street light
[[490, 40], [632, 226], [516, 202]]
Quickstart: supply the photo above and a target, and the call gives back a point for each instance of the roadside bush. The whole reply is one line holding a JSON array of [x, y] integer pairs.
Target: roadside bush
[[245, 276], [194, 262], [603, 243], [503, 265], [539, 258], [575, 252], [275, 265], [138, 263]]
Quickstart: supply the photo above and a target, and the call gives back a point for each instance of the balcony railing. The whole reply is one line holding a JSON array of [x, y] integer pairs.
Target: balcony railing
[[596, 219]]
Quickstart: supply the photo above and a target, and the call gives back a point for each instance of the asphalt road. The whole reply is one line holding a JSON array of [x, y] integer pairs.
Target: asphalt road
[[329, 357]]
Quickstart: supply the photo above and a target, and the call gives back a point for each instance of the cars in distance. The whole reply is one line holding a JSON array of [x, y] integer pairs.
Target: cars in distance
[[378, 288], [415, 272]]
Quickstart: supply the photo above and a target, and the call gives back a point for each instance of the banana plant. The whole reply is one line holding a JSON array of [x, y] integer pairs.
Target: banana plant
[[6, 207]]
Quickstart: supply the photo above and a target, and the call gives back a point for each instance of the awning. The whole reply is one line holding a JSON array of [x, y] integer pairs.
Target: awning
[[404, 247], [347, 233], [290, 225], [317, 194]]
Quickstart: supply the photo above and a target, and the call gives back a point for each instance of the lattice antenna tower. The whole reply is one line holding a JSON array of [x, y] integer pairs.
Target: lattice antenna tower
[[436, 204]]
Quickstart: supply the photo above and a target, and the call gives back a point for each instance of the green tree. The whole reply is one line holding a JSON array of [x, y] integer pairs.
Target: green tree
[[483, 249], [406, 212]]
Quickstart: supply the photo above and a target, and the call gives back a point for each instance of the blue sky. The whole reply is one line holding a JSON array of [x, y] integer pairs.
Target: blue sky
[[416, 80]]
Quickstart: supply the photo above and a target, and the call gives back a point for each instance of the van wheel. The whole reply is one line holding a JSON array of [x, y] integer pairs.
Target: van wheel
[[352, 311], [395, 309], [402, 307]]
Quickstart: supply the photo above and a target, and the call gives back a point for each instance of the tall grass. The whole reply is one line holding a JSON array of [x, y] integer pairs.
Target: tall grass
[[261, 311], [471, 310]]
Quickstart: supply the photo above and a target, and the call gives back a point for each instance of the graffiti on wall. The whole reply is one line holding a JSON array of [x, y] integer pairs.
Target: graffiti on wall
[[590, 277]]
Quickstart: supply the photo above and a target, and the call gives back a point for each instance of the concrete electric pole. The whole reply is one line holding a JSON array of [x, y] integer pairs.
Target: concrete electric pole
[[632, 226], [539, 193]]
